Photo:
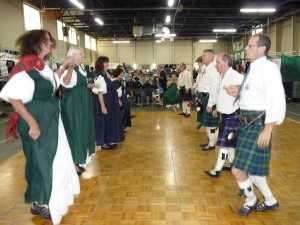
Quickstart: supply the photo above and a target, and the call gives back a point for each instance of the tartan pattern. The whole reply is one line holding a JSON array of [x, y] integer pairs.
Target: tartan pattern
[[231, 123], [206, 118], [248, 157]]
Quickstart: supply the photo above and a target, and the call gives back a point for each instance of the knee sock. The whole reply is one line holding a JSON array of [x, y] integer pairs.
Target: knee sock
[[188, 107], [211, 135], [183, 107], [231, 154], [223, 153], [246, 188], [262, 185]]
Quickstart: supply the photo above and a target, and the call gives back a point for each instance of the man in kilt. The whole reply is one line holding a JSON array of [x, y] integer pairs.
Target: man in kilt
[[208, 87], [229, 110], [185, 84], [262, 106]]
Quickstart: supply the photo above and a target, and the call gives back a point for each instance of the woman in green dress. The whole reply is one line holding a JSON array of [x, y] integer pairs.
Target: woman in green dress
[[77, 111], [171, 96]]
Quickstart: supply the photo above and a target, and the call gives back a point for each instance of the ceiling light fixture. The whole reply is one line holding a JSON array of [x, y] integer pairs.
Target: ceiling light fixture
[[258, 10], [120, 42], [168, 19], [99, 21], [170, 3], [158, 41], [78, 4], [224, 30], [208, 40], [166, 36]]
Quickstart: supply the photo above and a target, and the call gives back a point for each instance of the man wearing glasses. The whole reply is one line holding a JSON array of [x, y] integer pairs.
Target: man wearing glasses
[[262, 105]]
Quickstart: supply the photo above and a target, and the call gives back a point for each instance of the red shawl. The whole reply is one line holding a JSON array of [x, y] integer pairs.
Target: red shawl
[[26, 64]]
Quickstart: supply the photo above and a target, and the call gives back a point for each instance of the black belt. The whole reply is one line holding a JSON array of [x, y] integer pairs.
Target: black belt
[[203, 94], [255, 120], [225, 116]]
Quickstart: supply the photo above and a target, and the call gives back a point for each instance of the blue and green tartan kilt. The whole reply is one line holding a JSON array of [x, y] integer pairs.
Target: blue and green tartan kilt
[[206, 118], [232, 122], [248, 157]]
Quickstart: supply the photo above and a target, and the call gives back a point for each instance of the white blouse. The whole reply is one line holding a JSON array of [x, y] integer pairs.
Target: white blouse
[[73, 80], [21, 86], [100, 82]]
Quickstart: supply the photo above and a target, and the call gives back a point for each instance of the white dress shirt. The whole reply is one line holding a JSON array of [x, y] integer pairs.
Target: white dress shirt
[[199, 78], [210, 83], [225, 102], [185, 79], [263, 91]]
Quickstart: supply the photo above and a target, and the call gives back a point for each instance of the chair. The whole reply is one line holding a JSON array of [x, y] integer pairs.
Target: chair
[[148, 95], [137, 96]]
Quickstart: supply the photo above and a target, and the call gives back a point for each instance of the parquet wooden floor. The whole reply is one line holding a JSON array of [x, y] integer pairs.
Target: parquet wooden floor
[[156, 178]]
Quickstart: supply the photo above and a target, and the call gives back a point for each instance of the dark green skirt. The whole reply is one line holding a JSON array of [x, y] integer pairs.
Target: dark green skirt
[[40, 154]]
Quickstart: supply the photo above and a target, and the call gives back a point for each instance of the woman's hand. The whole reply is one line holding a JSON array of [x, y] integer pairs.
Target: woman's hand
[[120, 103], [34, 129], [264, 137], [90, 85], [215, 113]]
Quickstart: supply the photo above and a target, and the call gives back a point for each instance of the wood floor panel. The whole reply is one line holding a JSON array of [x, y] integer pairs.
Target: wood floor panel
[[156, 178]]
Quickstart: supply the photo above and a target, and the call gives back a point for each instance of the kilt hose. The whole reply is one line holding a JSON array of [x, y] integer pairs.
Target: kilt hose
[[231, 122], [206, 118], [248, 157]]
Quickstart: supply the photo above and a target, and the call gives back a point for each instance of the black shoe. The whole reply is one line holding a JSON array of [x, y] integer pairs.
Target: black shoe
[[181, 114], [263, 207], [187, 115], [40, 210], [82, 169], [207, 148], [132, 116], [3, 115], [203, 145], [105, 146], [227, 168], [198, 127], [113, 145], [212, 173], [78, 170], [246, 210]]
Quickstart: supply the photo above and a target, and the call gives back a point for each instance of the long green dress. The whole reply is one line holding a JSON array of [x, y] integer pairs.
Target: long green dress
[[40, 154], [171, 96], [77, 116]]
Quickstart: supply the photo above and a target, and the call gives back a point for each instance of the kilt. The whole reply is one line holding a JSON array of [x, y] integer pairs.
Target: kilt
[[206, 118], [248, 157], [230, 123], [187, 96]]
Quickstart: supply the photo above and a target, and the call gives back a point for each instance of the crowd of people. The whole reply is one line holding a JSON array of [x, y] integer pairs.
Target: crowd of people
[[61, 129]]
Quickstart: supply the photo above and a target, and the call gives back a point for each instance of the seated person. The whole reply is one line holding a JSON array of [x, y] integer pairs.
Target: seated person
[[136, 89], [147, 90]]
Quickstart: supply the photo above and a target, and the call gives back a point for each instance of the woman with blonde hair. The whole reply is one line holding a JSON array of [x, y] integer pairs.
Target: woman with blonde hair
[[77, 111]]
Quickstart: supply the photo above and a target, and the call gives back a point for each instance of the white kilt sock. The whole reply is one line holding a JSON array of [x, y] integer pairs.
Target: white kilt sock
[[262, 185], [223, 153]]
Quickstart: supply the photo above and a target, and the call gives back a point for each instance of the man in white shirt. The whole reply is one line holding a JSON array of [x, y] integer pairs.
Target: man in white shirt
[[185, 84], [228, 107], [208, 87], [262, 106]]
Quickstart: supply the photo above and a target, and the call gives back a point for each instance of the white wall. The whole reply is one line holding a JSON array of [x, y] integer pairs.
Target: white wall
[[11, 23]]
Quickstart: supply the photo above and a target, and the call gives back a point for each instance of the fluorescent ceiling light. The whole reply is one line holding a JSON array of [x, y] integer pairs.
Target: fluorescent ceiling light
[[99, 21], [260, 10], [224, 30], [208, 40], [164, 35], [170, 3], [78, 4], [120, 42], [158, 41], [168, 19]]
